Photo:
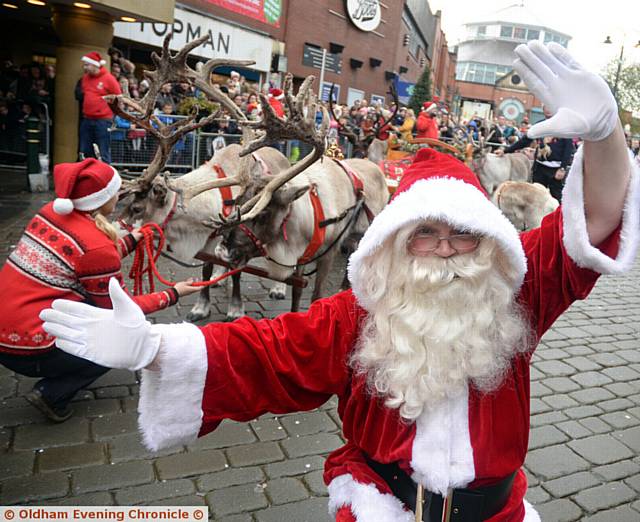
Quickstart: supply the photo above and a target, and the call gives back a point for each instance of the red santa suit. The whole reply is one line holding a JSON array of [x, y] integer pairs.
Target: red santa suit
[[275, 100], [426, 126], [63, 255], [299, 360]]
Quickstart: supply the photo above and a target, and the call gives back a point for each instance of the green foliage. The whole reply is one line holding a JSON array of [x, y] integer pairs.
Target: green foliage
[[421, 91], [200, 104], [628, 91]]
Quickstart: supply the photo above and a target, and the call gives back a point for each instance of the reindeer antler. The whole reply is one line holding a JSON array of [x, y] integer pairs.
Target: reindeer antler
[[377, 127], [170, 68]]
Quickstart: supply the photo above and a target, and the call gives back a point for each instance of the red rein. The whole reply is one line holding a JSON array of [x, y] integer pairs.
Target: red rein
[[146, 248]]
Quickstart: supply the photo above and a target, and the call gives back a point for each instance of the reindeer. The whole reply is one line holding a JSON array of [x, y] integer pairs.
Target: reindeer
[[524, 204], [492, 170], [304, 213], [155, 198]]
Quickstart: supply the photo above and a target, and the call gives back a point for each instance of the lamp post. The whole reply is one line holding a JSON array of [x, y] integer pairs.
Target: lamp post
[[620, 59]]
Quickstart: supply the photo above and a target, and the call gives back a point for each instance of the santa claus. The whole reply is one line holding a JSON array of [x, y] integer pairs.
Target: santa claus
[[429, 352]]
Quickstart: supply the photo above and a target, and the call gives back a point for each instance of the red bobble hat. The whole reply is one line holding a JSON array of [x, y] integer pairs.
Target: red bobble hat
[[429, 106], [84, 186], [276, 93], [93, 58], [438, 187]]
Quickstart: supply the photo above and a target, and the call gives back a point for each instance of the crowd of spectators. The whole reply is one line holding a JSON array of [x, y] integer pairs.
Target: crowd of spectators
[[26, 90]]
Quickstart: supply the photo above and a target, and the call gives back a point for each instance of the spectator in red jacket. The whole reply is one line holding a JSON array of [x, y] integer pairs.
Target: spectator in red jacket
[[96, 114], [275, 100], [427, 126], [69, 250]]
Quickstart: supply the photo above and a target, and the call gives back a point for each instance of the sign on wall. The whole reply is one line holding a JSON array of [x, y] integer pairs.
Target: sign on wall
[[512, 109], [312, 57], [353, 95], [225, 40], [326, 89], [404, 90], [377, 99], [364, 14], [267, 11]]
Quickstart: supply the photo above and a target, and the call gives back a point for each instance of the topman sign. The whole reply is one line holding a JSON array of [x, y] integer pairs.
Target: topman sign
[[364, 14], [225, 40]]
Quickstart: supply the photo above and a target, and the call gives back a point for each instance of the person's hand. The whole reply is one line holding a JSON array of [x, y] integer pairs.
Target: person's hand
[[137, 235], [118, 338], [581, 102], [186, 287], [560, 174], [499, 152]]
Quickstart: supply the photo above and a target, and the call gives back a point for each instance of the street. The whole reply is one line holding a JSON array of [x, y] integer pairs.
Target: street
[[583, 462]]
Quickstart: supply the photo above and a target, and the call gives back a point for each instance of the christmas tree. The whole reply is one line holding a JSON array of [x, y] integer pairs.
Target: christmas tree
[[421, 91]]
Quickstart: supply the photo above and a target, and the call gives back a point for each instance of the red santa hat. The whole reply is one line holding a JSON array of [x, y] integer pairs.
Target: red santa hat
[[438, 187], [93, 58], [84, 186], [429, 106], [276, 93]]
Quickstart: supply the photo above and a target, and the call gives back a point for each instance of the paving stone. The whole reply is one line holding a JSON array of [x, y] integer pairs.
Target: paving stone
[[555, 461], [539, 390], [236, 518], [254, 454], [537, 495], [311, 510], [115, 378], [285, 490], [580, 412], [632, 356], [190, 463], [319, 443], [315, 483], [620, 419], [20, 416], [111, 476], [187, 500], [592, 395], [561, 384], [555, 368], [617, 470], [573, 429], [308, 423], [34, 487], [130, 447], [292, 467], [550, 353], [109, 426], [552, 417], [621, 373], [269, 429], [545, 436], [562, 510], [236, 499], [619, 514], [616, 404], [6, 435], [73, 431], [606, 359], [227, 434], [100, 498], [621, 389], [630, 437], [230, 477], [96, 407], [113, 392], [570, 484], [582, 364], [156, 491], [604, 497], [16, 464], [69, 457], [560, 401], [538, 406], [595, 425], [589, 379], [633, 482]]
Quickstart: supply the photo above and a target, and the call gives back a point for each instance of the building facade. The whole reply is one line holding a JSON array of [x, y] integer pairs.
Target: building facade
[[486, 83]]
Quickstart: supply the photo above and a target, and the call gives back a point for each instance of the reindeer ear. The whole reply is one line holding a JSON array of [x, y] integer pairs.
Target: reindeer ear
[[287, 195]]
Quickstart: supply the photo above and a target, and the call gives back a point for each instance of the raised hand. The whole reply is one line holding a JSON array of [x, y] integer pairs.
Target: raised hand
[[581, 101], [118, 338]]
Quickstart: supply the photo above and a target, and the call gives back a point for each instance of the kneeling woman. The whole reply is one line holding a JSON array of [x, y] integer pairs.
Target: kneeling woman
[[69, 250]]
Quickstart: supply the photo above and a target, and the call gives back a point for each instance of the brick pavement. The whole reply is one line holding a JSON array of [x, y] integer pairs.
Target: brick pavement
[[583, 462]]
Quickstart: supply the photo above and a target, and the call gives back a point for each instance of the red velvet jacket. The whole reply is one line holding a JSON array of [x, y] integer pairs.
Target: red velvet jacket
[[297, 361], [60, 257]]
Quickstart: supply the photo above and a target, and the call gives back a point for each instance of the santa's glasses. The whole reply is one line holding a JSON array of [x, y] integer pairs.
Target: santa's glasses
[[423, 243]]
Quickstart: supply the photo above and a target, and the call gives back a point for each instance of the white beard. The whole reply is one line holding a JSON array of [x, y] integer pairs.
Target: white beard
[[437, 325]]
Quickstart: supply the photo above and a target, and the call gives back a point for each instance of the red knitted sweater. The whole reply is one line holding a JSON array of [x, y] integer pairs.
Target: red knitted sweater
[[60, 257]]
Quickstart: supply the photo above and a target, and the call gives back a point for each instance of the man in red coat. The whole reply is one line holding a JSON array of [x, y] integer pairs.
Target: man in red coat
[[96, 114], [429, 352], [426, 124]]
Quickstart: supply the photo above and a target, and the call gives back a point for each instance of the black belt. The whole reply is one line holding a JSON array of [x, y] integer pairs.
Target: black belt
[[467, 505]]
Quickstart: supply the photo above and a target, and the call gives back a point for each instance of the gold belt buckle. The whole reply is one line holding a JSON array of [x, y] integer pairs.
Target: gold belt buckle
[[446, 509]]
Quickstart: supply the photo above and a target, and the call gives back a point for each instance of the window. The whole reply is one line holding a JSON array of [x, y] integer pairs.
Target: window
[[520, 33], [548, 37], [533, 34], [482, 30], [506, 31]]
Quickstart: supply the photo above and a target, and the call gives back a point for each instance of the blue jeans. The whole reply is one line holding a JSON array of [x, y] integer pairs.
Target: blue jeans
[[95, 131]]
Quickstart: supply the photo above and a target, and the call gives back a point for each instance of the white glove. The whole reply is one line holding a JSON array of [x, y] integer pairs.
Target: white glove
[[581, 101], [118, 338]]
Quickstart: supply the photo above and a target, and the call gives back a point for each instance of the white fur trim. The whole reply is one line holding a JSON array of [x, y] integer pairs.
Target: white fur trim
[[575, 237], [99, 198], [86, 59], [62, 206], [530, 513], [442, 456], [366, 502], [446, 199], [170, 404]]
